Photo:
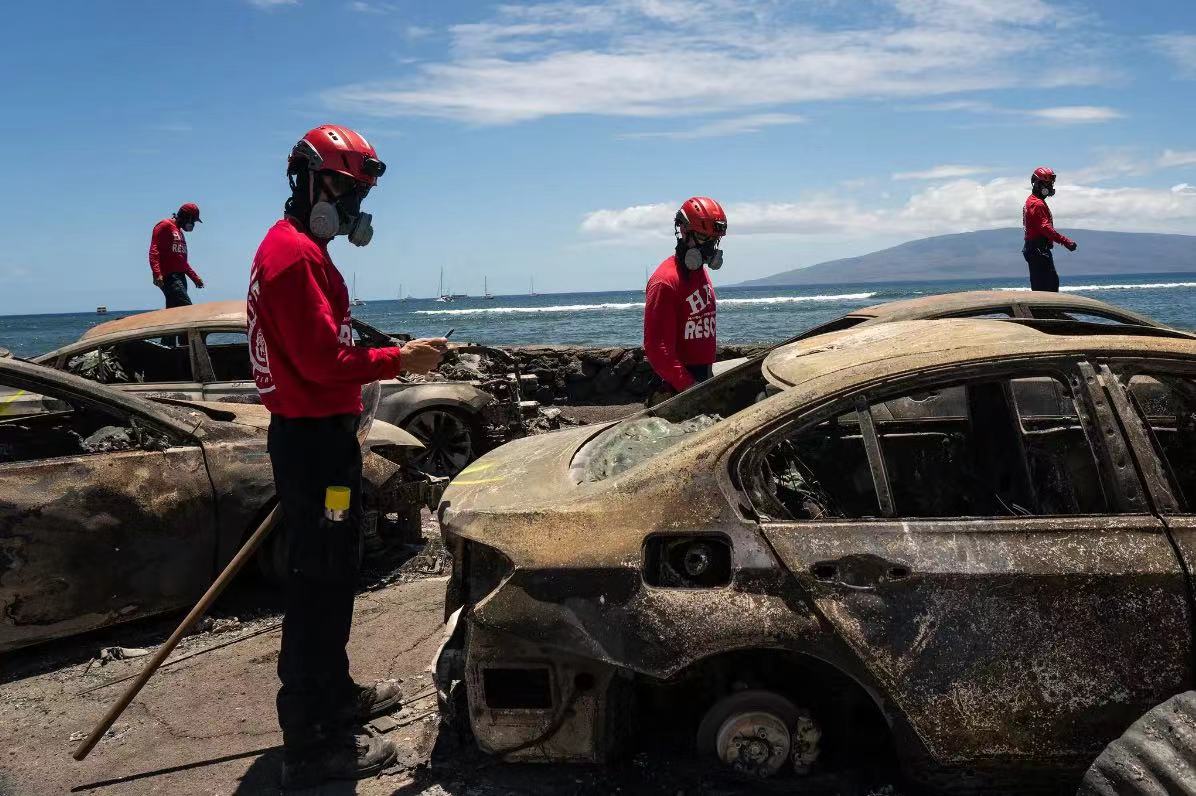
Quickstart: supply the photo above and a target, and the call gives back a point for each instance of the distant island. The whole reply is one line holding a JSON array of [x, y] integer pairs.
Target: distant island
[[997, 253]]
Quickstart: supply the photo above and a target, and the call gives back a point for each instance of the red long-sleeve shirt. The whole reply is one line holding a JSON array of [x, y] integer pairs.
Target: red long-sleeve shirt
[[1039, 224], [168, 251], [679, 322], [300, 339]]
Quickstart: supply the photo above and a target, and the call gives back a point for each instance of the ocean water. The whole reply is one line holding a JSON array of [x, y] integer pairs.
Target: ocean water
[[615, 318]]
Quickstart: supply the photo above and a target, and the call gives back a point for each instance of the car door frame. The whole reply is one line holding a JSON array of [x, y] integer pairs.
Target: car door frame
[[874, 548], [1180, 524], [236, 391]]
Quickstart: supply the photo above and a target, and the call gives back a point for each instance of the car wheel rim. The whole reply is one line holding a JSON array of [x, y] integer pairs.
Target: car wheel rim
[[448, 444], [755, 743]]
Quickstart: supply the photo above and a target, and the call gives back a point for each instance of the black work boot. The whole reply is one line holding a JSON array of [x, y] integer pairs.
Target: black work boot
[[355, 757], [372, 701]]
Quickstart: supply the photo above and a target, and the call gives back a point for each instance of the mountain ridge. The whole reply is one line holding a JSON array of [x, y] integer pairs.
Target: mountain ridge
[[996, 253]]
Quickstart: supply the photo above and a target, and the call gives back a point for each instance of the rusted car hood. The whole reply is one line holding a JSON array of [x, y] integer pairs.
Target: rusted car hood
[[529, 472]]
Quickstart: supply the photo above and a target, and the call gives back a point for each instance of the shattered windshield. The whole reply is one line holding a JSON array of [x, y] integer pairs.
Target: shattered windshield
[[627, 444], [641, 437]]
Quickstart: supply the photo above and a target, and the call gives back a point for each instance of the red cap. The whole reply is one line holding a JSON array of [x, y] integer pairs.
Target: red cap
[[189, 209], [1043, 174]]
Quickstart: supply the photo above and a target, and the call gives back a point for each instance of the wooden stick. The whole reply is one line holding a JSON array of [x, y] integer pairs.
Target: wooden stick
[[164, 651]]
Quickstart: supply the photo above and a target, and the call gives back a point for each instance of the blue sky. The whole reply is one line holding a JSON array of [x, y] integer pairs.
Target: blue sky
[[555, 139]]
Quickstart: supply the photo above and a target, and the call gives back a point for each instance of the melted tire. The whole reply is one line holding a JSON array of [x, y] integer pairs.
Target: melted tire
[[1156, 756]]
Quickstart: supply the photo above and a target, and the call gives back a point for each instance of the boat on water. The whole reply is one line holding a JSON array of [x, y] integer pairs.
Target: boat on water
[[401, 296], [531, 289], [101, 310], [486, 294], [354, 301], [445, 297]]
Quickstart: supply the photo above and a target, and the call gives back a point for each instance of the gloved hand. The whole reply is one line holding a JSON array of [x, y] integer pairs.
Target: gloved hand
[[1071, 247], [159, 281]]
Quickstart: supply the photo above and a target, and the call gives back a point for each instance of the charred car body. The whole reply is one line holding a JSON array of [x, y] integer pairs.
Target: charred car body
[[200, 352], [962, 543], [115, 507]]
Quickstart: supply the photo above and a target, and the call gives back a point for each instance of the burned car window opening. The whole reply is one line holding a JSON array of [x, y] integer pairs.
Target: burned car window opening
[[987, 448], [41, 427], [148, 361], [228, 353], [1167, 404]]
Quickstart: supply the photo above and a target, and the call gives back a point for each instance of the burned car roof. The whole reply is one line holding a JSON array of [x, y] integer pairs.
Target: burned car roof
[[904, 345], [973, 300], [213, 312]]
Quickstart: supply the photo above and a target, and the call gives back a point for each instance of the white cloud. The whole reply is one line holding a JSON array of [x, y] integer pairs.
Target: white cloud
[[958, 206], [1076, 114], [1063, 114], [1172, 158], [946, 172], [377, 8], [1180, 48], [719, 128], [627, 58], [268, 4]]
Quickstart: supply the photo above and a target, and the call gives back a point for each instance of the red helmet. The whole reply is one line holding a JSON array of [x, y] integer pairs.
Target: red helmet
[[1043, 174], [702, 215], [189, 210], [338, 149]]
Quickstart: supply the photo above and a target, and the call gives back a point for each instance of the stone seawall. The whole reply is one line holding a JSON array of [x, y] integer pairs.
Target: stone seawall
[[584, 375]]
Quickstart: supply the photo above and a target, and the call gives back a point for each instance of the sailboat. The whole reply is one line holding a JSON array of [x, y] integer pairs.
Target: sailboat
[[486, 294], [531, 289], [443, 296], [401, 296], [356, 302]]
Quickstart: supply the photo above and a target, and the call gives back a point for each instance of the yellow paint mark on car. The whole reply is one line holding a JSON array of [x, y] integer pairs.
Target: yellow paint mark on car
[[4, 403], [470, 481]]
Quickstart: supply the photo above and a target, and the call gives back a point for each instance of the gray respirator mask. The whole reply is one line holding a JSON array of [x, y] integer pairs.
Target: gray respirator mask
[[707, 254], [342, 216], [187, 226], [1045, 189]]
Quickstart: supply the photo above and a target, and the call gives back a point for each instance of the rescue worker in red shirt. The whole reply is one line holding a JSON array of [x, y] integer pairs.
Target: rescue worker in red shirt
[[679, 306], [309, 375], [168, 255], [1040, 232]]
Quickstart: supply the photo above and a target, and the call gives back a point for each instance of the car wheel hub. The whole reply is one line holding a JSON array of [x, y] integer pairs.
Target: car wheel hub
[[755, 743], [448, 445]]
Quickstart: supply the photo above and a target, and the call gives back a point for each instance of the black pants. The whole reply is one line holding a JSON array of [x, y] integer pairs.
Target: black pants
[[309, 455], [174, 288], [1043, 275]]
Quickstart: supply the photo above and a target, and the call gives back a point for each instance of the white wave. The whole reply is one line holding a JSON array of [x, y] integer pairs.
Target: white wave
[[1138, 286], [551, 308], [797, 299], [639, 305]]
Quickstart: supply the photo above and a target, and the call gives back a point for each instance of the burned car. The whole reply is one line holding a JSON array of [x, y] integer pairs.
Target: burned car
[[961, 545], [200, 352], [114, 507]]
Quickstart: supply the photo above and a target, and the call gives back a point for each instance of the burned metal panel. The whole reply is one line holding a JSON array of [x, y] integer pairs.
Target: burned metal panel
[[569, 719], [1004, 638], [87, 541]]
